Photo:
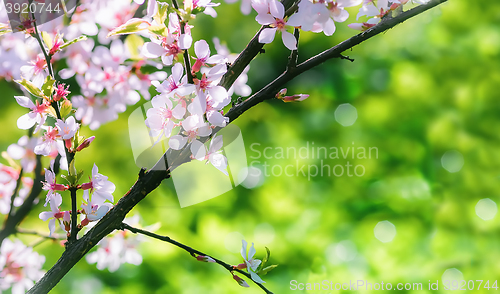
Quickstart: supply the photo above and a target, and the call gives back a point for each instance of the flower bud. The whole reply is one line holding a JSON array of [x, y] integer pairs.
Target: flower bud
[[240, 281], [295, 98], [85, 144], [204, 258]]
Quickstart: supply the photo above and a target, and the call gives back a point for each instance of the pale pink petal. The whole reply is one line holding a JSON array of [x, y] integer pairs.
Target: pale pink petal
[[177, 142], [267, 35], [198, 150], [152, 50], [277, 9], [28, 120], [264, 19], [201, 49], [289, 40], [329, 27], [25, 102], [185, 41]]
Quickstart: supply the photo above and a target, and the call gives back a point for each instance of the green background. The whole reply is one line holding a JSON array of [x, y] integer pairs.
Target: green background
[[421, 89]]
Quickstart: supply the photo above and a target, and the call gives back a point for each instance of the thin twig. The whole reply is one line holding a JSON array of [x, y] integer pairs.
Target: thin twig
[[191, 251]]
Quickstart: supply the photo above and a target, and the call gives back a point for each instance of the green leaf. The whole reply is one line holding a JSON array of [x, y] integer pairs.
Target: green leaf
[[79, 176], [66, 108], [72, 169], [134, 25], [81, 38], [47, 39], [133, 44], [267, 269], [30, 87], [160, 30], [48, 86], [161, 14]]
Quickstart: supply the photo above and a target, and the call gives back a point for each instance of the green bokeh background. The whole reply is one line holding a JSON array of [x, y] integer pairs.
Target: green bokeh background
[[427, 86]]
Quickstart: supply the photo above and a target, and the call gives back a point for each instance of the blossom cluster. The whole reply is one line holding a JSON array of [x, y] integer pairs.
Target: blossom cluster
[[20, 266], [118, 248]]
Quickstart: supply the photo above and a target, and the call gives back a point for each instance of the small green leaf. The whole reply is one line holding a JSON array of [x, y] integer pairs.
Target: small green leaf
[[267, 269], [134, 25], [161, 14], [160, 30], [79, 176], [48, 86], [47, 40], [134, 43], [52, 112], [81, 38], [30, 87], [72, 169], [66, 108]]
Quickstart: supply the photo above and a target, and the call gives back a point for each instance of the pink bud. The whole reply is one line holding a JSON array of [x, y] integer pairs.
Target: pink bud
[[204, 258], [295, 98], [85, 222], [240, 281], [87, 186], [241, 266], [85, 144], [281, 93], [68, 143]]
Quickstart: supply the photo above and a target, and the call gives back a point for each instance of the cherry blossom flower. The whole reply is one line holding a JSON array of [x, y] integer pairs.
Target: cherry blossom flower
[[20, 266], [276, 20], [24, 151], [337, 13], [101, 188], [160, 117], [203, 57], [37, 115], [209, 83], [213, 154], [170, 46], [54, 214], [251, 263], [35, 71], [176, 83], [93, 210], [194, 127], [207, 5], [67, 129], [117, 249], [48, 142], [60, 92], [51, 185]]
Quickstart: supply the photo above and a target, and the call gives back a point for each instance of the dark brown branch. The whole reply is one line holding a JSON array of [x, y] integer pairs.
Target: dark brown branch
[[191, 251]]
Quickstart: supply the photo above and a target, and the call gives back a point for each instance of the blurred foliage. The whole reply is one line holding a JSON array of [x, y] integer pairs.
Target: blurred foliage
[[425, 87]]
